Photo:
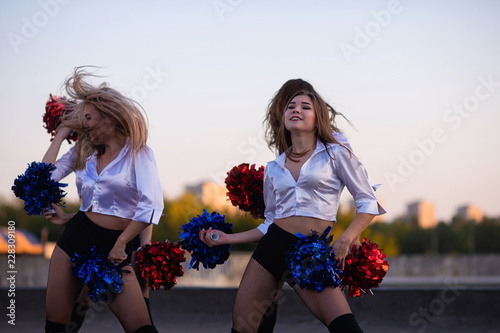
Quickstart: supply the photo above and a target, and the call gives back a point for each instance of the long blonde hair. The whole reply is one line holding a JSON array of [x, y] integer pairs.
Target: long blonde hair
[[124, 113]]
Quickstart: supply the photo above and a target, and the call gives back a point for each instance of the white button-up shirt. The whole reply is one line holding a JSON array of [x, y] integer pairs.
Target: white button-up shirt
[[128, 187], [317, 191]]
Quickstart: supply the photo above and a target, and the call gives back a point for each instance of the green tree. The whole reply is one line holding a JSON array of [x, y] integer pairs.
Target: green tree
[[487, 236]]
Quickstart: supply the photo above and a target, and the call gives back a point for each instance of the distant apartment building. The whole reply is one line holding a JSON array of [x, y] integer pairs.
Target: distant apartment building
[[213, 195], [470, 212], [423, 212]]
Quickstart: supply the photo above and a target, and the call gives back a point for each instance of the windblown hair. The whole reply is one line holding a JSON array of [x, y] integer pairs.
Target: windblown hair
[[278, 137], [124, 113]]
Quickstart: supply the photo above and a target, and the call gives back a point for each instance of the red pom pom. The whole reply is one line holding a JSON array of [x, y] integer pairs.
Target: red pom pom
[[364, 269], [245, 186], [159, 264], [54, 109]]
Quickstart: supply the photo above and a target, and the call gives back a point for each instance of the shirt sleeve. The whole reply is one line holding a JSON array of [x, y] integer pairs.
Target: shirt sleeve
[[269, 201], [150, 203], [353, 174], [64, 165]]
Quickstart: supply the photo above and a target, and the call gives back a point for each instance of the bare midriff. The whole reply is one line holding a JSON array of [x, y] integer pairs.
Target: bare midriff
[[108, 221], [303, 224]]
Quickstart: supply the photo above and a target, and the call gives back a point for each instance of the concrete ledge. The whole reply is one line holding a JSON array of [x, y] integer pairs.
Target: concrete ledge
[[466, 270], [445, 309]]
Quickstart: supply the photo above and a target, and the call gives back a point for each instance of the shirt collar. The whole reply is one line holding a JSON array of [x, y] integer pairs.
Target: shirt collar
[[123, 152], [280, 160]]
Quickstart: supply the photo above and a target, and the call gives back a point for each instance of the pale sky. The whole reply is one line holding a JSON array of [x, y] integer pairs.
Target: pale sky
[[420, 80]]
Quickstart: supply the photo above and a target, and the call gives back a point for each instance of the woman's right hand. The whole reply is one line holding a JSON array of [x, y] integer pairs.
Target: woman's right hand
[[207, 238], [57, 218]]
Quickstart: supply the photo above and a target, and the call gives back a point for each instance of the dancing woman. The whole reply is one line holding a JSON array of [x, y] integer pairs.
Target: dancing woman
[[73, 161], [274, 117], [121, 196], [302, 189]]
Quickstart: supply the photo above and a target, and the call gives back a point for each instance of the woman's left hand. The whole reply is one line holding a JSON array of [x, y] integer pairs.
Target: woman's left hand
[[340, 249], [355, 243], [117, 254]]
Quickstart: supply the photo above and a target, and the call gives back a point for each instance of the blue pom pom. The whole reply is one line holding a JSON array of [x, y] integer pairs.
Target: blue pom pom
[[103, 278], [37, 188], [312, 262], [208, 256]]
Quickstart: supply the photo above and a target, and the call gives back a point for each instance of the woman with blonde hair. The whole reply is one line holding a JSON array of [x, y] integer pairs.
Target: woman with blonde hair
[[121, 196], [302, 189], [72, 161]]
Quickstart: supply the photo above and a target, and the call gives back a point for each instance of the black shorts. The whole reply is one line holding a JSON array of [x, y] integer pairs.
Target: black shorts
[[81, 234], [271, 252]]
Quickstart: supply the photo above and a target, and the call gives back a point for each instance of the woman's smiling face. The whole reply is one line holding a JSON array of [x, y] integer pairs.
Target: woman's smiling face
[[300, 115]]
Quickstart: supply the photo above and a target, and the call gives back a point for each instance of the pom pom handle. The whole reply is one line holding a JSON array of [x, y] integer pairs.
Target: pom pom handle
[[209, 257]]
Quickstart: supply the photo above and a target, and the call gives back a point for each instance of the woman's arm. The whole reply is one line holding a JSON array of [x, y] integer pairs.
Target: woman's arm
[[149, 207], [249, 236], [353, 174], [351, 234], [51, 154], [117, 253], [146, 235], [356, 242]]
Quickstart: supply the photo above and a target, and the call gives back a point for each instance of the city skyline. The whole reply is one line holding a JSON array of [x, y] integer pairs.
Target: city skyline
[[419, 81]]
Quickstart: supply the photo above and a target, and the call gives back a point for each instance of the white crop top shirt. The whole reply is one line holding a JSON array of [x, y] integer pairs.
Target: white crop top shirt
[[128, 187], [319, 186], [64, 166]]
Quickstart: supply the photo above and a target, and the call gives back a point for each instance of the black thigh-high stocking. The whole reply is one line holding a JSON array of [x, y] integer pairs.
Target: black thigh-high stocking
[[146, 329], [78, 316], [269, 319], [51, 327], [80, 309], [344, 324], [149, 309], [258, 289]]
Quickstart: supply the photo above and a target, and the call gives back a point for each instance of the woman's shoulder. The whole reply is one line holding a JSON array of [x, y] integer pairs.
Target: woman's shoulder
[[145, 153], [147, 149], [279, 160], [336, 148], [337, 151]]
